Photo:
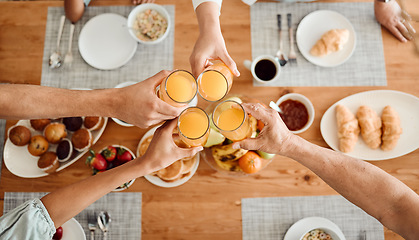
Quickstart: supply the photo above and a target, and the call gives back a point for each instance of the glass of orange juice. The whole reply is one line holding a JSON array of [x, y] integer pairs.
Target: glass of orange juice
[[178, 89], [231, 119], [193, 124], [215, 81]]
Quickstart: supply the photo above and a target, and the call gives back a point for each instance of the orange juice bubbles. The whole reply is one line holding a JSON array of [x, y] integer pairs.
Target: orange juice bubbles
[[178, 89], [215, 82], [193, 125], [231, 119]]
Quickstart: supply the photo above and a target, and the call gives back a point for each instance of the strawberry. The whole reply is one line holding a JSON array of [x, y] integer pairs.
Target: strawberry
[[58, 234], [123, 155], [109, 153], [96, 161]]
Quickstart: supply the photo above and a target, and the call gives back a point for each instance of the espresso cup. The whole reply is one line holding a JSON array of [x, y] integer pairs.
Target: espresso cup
[[264, 68]]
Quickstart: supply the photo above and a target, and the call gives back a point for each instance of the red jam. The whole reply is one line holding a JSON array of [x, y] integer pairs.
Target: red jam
[[295, 114]]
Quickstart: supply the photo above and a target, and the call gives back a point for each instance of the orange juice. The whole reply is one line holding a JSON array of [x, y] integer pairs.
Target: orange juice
[[178, 89], [231, 119], [215, 82], [193, 124]]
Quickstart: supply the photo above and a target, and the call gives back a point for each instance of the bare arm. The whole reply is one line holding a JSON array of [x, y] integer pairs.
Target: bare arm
[[378, 193], [67, 202], [74, 9], [34, 102]]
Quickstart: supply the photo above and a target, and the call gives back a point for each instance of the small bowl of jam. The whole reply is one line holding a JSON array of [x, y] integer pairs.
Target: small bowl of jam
[[297, 112]]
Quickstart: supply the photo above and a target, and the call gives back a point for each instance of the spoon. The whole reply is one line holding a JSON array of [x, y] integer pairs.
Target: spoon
[[55, 60], [103, 220], [275, 107]]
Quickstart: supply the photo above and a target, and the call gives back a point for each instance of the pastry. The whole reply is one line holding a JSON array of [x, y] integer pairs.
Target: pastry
[[73, 123], [172, 172], [93, 123], [20, 135], [331, 41], [370, 125], [48, 162], [188, 164], [391, 128], [39, 124], [54, 132], [64, 150], [348, 129], [82, 139], [144, 145], [38, 145]]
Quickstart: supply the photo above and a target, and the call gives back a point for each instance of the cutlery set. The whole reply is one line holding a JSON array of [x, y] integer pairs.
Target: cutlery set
[[280, 55], [102, 220], [56, 60]]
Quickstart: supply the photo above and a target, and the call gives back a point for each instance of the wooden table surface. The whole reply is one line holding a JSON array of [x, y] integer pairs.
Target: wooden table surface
[[208, 206]]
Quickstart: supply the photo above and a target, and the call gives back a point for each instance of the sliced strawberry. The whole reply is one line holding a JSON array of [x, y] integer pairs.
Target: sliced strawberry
[[109, 153], [124, 155]]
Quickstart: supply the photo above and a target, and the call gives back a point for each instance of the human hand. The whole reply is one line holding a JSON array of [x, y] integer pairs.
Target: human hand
[[389, 15], [163, 151], [274, 137], [139, 104], [138, 2]]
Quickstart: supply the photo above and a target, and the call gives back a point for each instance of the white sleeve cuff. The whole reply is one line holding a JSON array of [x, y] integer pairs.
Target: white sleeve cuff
[[197, 2], [249, 2]]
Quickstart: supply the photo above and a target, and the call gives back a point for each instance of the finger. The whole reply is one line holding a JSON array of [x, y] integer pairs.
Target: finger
[[190, 152], [249, 144], [198, 64], [258, 111], [158, 78], [167, 127], [167, 111], [397, 34], [402, 28], [230, 64]]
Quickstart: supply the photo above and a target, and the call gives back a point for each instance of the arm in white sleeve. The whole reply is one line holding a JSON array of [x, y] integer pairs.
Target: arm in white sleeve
[[196, 3]]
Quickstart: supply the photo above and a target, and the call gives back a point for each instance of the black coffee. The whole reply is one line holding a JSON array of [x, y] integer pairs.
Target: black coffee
[[265, 70]]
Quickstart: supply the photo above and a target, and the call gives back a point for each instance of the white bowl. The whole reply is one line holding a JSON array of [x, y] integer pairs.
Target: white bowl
[[307, 103], [120, 122], [329, 231], [141, 8]]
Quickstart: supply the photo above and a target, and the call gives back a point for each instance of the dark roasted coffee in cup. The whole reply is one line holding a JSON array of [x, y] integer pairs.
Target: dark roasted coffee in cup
[[265, 70]]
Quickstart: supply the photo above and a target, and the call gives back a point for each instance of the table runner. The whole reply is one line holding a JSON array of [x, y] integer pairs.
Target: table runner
[[147, 61], [270, 218], [124, 209], [2, 135], [366, 67]]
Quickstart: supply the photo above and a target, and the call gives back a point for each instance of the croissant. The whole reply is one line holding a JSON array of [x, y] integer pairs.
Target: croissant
[[331, 41], [370, 125], [391, 128], [348, 129]]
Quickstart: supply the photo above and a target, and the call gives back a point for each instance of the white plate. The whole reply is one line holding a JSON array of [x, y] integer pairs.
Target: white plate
[[311, 29], [306, 224], [22, 164], [156, 180], [105, 42], [407, 107], [72, 230]]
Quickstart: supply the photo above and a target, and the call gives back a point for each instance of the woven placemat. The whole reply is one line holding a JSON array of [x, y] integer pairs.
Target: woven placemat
[[366, 67], [124, 209], [270, 218], [147, 61]]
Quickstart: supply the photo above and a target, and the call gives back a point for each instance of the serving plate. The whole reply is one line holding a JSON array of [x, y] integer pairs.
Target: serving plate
[[22, 164], [306, 224], [156, 180], [311, 29], [406, 106]]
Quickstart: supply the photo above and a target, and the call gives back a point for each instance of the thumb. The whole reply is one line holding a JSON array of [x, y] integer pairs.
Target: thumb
[[230, 64], [248, 144], [197, 65]]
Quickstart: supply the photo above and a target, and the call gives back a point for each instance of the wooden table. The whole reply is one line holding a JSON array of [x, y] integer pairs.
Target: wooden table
[[208, 206]]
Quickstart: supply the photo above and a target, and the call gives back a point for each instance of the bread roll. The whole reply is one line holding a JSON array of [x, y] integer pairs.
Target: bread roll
[[331, 41], [391, 128], [370, 125], [348, 129]]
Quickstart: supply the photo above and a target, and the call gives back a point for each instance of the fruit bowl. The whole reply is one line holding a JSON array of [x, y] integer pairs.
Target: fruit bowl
[[219, 154]]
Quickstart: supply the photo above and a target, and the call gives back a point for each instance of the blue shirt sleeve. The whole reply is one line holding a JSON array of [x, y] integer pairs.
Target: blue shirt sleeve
[[28, 221], [86, 2]]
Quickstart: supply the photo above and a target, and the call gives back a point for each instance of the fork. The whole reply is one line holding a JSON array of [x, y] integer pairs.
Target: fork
[[280, 54], [91, 220], [69, 56], [292, 57]]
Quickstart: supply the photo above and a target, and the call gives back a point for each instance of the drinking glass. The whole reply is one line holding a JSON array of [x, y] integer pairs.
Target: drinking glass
[[232, 121], [178, 89], [193, 125], [215, 81], [410, 19]]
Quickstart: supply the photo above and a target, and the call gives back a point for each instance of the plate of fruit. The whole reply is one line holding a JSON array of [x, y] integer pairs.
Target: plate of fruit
[[177, 173], [220, 155], [108, 158]]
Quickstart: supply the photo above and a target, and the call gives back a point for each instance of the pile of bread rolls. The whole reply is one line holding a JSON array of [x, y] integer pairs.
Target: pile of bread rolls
[[376, 132]]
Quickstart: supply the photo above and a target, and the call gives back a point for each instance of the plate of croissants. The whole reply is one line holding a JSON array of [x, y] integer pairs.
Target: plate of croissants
[[373, 125], [326, 38]]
